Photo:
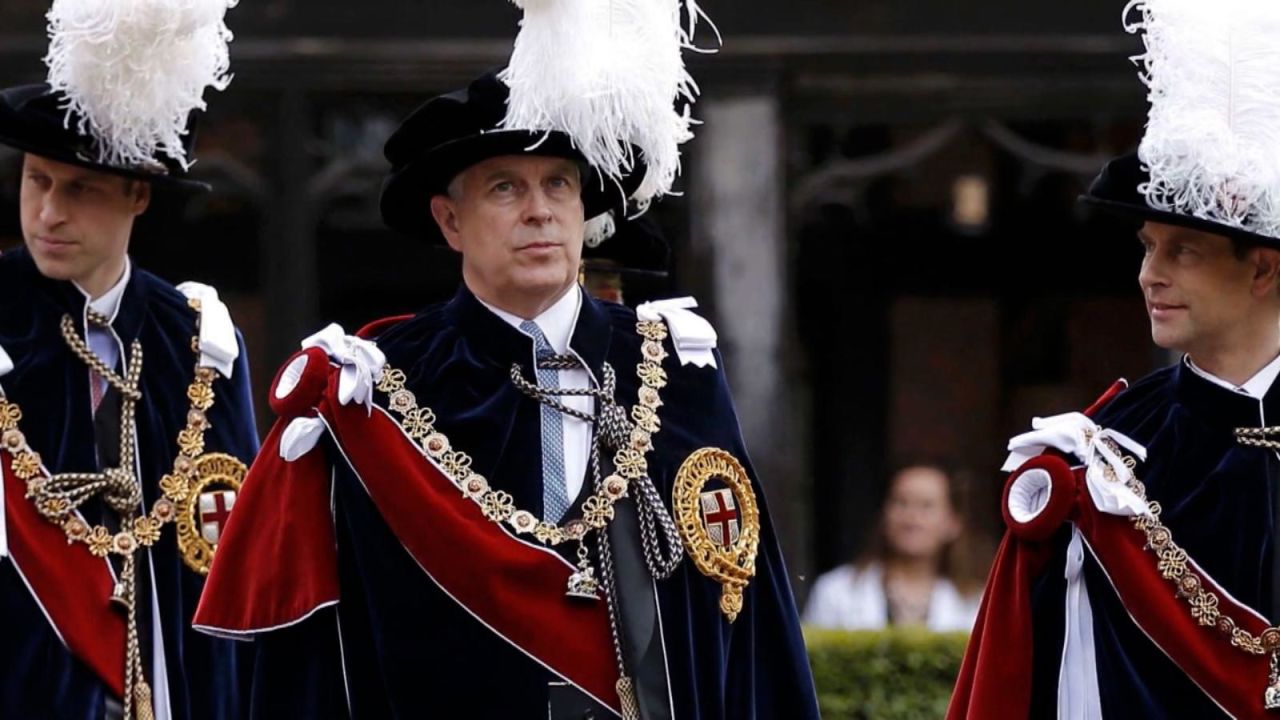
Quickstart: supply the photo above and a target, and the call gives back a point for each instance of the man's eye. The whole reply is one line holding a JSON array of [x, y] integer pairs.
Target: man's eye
[[504, 187]]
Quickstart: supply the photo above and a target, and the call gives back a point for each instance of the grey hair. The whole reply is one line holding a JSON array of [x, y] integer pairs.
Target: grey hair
[[454, 190]]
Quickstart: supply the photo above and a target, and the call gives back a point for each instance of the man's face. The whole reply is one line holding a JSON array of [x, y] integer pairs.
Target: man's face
[[518, 222], [1198, 292], [76, 222]]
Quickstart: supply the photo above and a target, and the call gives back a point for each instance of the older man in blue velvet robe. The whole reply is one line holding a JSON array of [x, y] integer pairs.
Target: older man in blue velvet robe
[[521, 503]]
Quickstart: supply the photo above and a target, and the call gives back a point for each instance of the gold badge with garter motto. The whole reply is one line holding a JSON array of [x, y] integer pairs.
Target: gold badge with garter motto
[[203, 513], [719, 521]]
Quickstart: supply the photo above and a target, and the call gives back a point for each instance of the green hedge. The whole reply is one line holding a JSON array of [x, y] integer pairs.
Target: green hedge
[[888, 675]]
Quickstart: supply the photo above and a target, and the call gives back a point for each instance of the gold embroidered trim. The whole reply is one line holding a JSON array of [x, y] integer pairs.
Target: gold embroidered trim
[[498, 506]]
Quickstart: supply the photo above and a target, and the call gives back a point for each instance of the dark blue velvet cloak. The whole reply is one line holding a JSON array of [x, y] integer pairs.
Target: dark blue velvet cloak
[[1218, 499], [397, 646]]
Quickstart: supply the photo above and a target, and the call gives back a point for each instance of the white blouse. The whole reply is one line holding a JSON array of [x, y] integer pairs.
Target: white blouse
[[848, 598]]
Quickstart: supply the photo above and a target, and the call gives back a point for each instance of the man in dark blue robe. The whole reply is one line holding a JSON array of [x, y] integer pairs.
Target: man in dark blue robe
[[1089, 636], [1218, 498], [417, 536], [143, 451], [1138, 577]]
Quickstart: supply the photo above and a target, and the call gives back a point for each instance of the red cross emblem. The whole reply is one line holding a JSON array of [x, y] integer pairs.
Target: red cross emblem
[[215, 510], [720, 516]]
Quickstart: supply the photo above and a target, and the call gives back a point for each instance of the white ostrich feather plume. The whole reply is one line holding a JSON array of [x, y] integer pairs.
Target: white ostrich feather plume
[[609, 74], [134, 70], [1212, 143]]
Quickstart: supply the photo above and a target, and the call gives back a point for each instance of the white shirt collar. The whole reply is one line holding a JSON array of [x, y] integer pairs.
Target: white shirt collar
[[109, 302], [1255, 387], [556, 322]]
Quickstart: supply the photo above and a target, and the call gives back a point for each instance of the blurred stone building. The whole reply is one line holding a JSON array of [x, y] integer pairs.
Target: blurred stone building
[[879, 215]]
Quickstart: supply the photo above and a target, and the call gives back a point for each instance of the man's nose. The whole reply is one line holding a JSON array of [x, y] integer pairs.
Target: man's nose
[[537, 207]]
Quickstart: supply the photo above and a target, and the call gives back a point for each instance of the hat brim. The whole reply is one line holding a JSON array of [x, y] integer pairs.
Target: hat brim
[[1115, 193], [407, 192], [53, 141], [605, 267]]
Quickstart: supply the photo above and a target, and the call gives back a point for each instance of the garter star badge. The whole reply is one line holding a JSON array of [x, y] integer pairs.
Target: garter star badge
[[203, 515], [719, 522]]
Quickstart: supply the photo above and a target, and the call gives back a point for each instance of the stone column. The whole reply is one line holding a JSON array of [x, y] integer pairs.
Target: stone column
[[739, 233], [290, 288]]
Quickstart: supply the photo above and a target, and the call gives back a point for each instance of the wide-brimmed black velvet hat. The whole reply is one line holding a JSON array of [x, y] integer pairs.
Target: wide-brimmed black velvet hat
[[637, 247], [452, 132], [34, 119], [1115, 192]]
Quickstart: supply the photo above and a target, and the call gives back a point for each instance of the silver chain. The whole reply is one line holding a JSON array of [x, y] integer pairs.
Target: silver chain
[[653, 515], [610, 593], [547, 396], [613, 430], [1258, 437]]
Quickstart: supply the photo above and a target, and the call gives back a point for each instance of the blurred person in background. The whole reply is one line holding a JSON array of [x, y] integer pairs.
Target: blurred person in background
[[911, 572], [637, 256]]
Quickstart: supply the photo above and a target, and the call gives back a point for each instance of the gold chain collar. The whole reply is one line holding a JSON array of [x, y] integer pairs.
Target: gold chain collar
[[498, 506]]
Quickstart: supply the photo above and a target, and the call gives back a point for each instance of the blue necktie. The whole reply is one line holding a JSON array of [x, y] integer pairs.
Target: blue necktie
[[555, 498]]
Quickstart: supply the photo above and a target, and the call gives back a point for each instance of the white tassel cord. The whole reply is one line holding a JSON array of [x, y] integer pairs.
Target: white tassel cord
[[609, 74], [134, 70], [1212, 144]]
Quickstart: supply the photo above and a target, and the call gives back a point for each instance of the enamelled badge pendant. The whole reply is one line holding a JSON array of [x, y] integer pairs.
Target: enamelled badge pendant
[[719, 522], [583, 582]]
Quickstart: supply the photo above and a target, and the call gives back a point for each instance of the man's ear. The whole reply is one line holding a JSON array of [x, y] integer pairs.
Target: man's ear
[[141, 197], [1266, 270], [445, 212]]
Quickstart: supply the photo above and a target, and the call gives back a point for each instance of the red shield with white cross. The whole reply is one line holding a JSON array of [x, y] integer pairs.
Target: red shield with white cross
[[213, 511], [720, 516]]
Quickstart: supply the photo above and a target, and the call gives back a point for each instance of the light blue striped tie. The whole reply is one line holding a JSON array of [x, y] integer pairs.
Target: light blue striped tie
[[555, 497]]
